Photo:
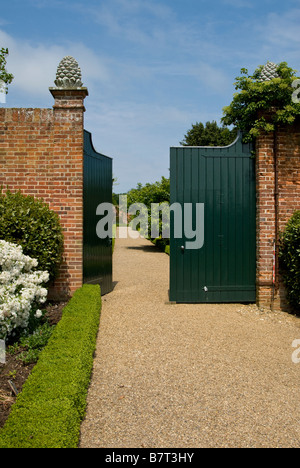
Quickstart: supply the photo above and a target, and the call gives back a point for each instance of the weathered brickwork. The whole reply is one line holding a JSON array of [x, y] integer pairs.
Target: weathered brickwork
[[278, 196], [41, 154]]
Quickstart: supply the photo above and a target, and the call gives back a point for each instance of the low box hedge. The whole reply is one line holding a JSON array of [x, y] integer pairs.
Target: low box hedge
[[49, 410], [162, 244]]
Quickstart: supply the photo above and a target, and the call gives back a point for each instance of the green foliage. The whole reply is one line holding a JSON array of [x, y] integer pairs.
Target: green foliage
[[34, 343], [4, 75], [159, 193], [28, 344], [49, 410], [290, 260], [162, 244], [209, 135], [255, 96], [115, 199], [29, 222]]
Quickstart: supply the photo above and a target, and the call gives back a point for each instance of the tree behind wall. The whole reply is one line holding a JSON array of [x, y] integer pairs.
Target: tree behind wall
[[209, 135], [5, 77]]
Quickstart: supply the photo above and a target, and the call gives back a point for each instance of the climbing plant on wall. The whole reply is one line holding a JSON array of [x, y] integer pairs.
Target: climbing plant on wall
[[271, 89]]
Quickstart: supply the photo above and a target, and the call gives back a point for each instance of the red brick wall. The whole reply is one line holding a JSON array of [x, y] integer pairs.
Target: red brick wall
[[288, 141], [275, 152], [41, 154]]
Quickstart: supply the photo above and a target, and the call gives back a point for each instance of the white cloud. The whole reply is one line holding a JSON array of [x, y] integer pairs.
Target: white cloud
[[34, 65], [138, 136], [279, 37], [283, 30], [127, 112]]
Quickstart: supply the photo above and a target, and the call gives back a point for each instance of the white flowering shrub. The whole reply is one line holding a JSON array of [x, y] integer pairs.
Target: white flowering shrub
[[21, 288]]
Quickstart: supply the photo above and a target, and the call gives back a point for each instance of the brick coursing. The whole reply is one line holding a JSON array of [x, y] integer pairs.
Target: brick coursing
[[276, 153], [41, 154]]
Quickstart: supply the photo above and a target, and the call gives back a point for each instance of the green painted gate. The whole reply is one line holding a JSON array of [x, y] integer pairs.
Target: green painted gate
[[221, 180], [97, 189]]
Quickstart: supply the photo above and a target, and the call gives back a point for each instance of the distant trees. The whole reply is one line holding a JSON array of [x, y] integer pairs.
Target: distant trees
[[146, 195], [5, 77], [209, 135], [157, 192]]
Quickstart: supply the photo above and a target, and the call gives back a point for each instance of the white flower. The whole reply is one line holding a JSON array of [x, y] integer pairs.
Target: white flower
[[38, 314], [20, 288]]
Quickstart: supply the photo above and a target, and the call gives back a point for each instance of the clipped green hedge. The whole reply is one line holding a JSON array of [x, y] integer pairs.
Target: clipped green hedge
[[49, 410], [162, 244]]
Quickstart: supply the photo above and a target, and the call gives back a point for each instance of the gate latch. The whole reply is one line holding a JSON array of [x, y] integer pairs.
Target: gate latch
[[205, 289]]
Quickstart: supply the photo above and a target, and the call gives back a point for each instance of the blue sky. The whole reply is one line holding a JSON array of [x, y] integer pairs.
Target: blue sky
[[152, 67]]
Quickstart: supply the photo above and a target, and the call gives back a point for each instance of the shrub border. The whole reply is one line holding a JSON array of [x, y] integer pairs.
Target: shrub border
[[162, 245], [49, 410], [289, 260]]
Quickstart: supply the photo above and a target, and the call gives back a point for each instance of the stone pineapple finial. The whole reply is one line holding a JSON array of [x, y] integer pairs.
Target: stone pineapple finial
[[269, 72], [68, 75]]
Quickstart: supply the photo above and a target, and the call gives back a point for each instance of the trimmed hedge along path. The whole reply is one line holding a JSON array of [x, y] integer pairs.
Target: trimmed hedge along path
[[49, 410], [187, 375]]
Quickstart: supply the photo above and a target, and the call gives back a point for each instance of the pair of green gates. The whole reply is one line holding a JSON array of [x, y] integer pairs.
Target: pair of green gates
[[216, 193], [221, 265]]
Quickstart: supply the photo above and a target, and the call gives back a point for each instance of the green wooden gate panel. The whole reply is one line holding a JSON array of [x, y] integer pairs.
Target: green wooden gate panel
[[223, 179], [97, 253]]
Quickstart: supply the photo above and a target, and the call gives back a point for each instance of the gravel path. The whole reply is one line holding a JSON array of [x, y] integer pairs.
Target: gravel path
[[188, 376]]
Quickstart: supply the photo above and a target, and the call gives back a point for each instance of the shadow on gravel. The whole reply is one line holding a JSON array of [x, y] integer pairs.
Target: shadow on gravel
[[144, 248]]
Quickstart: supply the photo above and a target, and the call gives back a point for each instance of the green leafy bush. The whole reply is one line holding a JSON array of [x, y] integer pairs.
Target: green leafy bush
[[156, 193], [256, 96], [29, 222], [34, 343], [290, 260], [161, 243], [49, 410]]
